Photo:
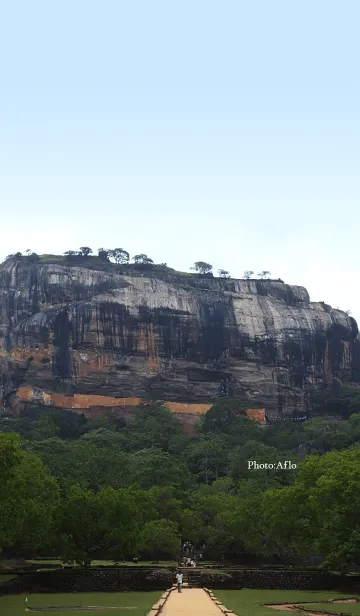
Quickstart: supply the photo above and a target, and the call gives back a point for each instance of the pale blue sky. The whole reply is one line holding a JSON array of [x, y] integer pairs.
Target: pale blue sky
[[220, 131]]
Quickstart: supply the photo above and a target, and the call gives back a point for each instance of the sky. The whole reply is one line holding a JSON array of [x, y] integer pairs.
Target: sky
[[222, 131]]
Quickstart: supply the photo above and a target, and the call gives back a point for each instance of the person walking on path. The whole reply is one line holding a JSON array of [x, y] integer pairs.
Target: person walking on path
[[179, 579]]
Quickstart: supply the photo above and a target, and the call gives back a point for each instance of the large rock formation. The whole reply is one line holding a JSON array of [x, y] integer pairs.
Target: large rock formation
[[109, 333]]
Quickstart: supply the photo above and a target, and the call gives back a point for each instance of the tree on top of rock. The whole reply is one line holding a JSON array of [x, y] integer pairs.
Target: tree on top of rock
[[85, 251], [16, 255], [70, 255], [144, 259], [202, 267], [223, 273], [103, 254], [248, 274], [120, 255], [264, 274]]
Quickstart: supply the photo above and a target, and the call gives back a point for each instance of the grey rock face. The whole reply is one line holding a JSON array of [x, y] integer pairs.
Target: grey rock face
[[113, 331]]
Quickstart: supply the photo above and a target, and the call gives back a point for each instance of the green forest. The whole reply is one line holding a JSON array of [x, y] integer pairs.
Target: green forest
[[85, 489]]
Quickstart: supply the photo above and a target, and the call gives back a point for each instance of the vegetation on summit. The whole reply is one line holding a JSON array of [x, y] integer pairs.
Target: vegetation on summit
[[122, 257]]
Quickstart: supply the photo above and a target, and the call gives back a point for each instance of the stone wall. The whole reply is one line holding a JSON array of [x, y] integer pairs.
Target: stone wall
[[94, 579], [275, 579], [144, 579], [94, 405]]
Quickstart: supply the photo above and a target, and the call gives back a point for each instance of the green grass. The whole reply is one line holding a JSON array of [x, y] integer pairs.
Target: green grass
[[6, 578], [14, 605], [247, 601], [52, 257]]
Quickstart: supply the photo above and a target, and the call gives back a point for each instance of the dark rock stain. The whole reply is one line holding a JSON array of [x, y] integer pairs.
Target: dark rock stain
[[206, 352], [62, 333]]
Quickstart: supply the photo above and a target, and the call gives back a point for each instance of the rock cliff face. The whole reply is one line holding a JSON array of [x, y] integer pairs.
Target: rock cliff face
[[101, 330]]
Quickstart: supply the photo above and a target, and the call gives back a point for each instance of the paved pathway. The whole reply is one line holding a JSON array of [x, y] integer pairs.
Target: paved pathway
[[191, 601]]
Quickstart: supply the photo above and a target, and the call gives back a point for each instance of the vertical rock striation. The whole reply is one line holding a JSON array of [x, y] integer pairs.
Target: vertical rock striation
[[105, 330]]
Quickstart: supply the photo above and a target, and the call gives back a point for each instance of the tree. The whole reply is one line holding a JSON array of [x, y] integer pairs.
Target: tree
[[28, 496], [264, 274], [252, 450], [99, 421], [94, 461], [165, 503], [260, 523], [120, 255], [85, 251], [153, 423], [279, 475], [285, 436], [160, 539], [202, 267], [223, 415], [207, 458], [153, 467], [324, 504], [191, 526], [70, 254], [223, 273], [325, 434], [341, 403], [143, 259], [103, 254], [90, 524], [248, 274], [44, 428]]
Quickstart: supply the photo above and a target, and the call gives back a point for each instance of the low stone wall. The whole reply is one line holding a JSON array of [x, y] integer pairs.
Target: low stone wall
[[96, 580], [274, 580], [147, 579]]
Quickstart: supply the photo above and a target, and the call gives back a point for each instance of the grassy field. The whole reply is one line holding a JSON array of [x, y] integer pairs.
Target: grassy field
[[142, 601], [247, 601], [6, 578]]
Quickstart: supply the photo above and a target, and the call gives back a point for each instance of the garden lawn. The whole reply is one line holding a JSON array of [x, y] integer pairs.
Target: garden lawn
[[6, 578], [246, 602], [14, 605]]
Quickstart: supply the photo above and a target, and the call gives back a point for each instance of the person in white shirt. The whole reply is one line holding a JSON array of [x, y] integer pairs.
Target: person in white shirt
[[179, 579]]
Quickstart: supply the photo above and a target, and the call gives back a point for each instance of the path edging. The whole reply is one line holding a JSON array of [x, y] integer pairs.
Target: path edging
[[219, 604], [158, 606]]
